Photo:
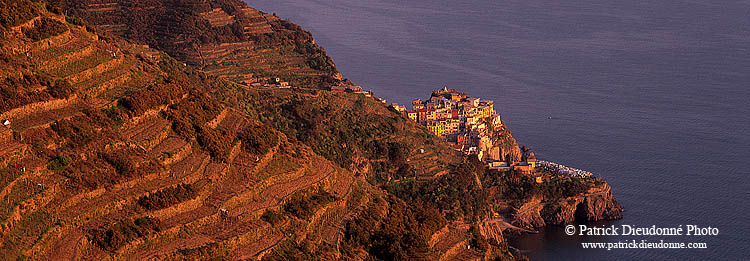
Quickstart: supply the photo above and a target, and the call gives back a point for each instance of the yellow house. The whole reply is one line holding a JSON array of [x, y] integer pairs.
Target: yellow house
[[426, 115], [531, 160], [439, 128], [412, 115]]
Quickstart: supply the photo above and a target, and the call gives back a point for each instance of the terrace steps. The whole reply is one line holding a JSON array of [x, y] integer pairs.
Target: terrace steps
[[28, 24], [190, 169], [327, 223], [234, 122], [447, 243], [10, 151], [258, 248], [105, 82], [44, 118], [149, 132], [95, 71], [57, 40], [217, 17], [103, 7], [275, 194], [68, 58], [171, 150], [72, 245]]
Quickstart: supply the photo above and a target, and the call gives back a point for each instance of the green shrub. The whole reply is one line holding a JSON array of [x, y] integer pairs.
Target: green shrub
[[457, 194], [477, 240], [152, 97], [218, 141], [563, 187], [91, 125], [303, 205], [75, 20], [273, 217], [16, 12], [389, 229], [44, 28], [191, 113], [259, 139], [59, 162], [19, 90], [61, 89], [121, 233], [167, 197], [89, 174], [77, 130], [121, 162]]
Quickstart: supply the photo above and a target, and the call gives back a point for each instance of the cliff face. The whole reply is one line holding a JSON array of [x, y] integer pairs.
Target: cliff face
[[595, 205], [504, 146]]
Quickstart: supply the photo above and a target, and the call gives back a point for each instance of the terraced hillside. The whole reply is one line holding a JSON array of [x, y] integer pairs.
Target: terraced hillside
[[114, 150], [114, 153], [222, 37]]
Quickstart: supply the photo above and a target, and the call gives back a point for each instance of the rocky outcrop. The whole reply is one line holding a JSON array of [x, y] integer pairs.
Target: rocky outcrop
[[492, 230], [528, 215], [502, 146], [595, 205], [600, 206]]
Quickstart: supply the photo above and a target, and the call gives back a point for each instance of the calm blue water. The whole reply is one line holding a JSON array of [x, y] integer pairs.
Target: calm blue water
[[651, 95]]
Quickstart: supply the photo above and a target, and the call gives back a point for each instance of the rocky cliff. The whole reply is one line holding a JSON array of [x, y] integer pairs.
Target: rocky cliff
[[503, 145], [594, 205]]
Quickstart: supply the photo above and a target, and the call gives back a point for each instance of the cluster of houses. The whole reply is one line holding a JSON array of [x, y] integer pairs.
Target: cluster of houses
[[461, 119], [274, 82], [526, 165], [353, 89], [467, 123]]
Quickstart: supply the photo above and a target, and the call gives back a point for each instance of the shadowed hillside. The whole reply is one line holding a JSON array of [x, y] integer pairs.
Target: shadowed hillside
[[222, 37]]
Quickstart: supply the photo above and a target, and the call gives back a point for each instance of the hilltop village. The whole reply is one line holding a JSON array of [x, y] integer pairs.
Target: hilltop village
[[467, 123], [461, 119], [470, 125]]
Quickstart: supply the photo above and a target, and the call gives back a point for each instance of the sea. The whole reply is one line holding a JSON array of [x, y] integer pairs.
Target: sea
[[651, 95]]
